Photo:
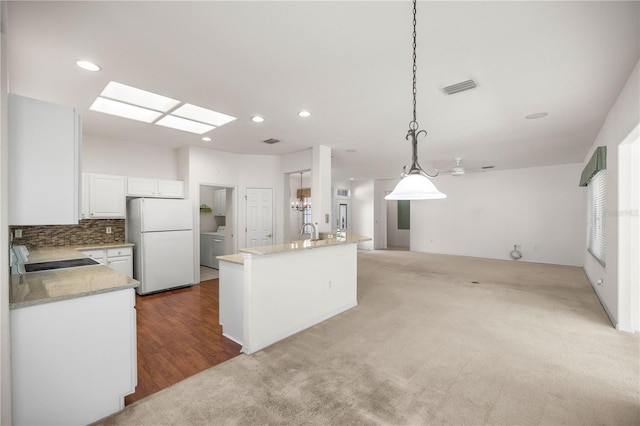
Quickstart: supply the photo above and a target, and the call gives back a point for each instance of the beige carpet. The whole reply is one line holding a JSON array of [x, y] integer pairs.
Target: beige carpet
[[528, 344]]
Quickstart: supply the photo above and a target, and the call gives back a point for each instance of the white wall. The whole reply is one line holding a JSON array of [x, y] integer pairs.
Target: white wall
[[485, 214], [5, 336], [217, 168], [629, 233], [620, 122], [379, 215], [123, 158], [362, 218], [208, 222]]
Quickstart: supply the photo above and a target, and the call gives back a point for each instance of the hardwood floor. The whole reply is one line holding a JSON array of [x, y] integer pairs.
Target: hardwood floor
[[178, 336]]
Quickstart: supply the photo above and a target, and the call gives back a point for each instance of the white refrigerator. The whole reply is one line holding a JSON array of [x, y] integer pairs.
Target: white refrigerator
[[162, 231]]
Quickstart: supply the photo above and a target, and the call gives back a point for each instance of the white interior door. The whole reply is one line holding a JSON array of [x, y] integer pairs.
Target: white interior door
[[259, 217]]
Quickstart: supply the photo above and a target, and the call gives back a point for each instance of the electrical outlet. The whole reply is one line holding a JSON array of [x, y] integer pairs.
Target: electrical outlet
[[18, 233], [108, 229]]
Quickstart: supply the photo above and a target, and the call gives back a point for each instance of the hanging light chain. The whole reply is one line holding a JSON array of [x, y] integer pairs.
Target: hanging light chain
[[415, 66], [413, 132]]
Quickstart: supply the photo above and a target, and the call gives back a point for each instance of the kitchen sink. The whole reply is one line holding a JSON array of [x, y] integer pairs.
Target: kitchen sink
[[59, 264]]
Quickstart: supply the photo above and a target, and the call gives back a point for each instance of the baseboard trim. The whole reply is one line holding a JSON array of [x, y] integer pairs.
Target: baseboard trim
[[604, 306], [249, 349]]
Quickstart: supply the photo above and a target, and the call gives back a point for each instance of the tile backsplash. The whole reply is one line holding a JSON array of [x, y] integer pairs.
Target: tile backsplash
[[88, 231]]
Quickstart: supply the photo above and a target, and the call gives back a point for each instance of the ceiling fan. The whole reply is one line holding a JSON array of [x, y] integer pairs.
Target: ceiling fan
[[459, 170]]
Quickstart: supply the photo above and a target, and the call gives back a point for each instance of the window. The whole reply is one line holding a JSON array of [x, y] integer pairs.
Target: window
[[596, 216]]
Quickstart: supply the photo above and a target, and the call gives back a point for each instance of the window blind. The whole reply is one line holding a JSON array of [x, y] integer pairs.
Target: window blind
[[597, 187]]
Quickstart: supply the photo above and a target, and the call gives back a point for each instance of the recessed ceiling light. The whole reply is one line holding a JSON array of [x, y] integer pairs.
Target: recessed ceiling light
[[202, 114], [89, 66], [257, 119], [139, 97], [352, 178], [206, 139], [184, 124], [124, 110], [304, 114], [536, 115]]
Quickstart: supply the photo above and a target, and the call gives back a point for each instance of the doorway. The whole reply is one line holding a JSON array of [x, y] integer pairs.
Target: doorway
[[398, 224], [216, 227], [299, 204]]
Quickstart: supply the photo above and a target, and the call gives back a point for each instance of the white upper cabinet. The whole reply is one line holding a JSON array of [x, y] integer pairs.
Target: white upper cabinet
[[144, 187], [220, 202], [44, 163], [106, 197], [170, 188], [141, 187]]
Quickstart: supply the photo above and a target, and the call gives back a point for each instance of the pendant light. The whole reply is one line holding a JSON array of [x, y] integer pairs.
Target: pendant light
[[415, 183], [300, 205]]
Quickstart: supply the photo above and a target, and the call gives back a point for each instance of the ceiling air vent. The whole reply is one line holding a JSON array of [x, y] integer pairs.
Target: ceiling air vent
[[271, 141], [459, 87]]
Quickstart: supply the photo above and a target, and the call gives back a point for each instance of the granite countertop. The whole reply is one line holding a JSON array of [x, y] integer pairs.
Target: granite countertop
[[35, 288], [233, 258], [303, 245]]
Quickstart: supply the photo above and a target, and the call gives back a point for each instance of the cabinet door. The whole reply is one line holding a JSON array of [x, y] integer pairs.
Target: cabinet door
[[219, 202], [122, 264], [106, 197], [44, 163], [170, 188], [141, 187]]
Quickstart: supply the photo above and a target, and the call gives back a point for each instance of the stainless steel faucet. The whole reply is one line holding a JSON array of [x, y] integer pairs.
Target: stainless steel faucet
[[315, 234]]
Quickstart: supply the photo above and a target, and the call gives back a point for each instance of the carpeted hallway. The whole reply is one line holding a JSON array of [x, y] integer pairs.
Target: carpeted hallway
[[528, 344]]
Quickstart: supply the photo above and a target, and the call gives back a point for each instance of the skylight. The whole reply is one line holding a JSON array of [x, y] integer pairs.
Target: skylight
[[137, 104], [184, 124], [202, 114], [124, 110], [138, 97]]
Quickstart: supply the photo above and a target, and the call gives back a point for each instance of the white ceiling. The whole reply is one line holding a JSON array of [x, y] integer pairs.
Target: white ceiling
[[349, 63]]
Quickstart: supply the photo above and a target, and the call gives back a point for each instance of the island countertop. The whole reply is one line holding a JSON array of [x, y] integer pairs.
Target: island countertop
[[34, 288], [302, 245]]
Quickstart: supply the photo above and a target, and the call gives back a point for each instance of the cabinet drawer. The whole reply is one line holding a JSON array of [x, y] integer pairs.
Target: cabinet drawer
[[120, 251], [95, 254]]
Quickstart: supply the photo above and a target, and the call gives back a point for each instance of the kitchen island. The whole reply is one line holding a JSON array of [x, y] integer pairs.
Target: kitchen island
[[272, 292], [73, 340]]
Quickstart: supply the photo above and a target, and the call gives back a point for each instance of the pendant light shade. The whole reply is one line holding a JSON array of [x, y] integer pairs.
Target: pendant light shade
[[415, 187], [415, 183]]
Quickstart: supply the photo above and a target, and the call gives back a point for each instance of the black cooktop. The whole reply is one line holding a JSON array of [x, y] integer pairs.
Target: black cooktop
[[59, 264]]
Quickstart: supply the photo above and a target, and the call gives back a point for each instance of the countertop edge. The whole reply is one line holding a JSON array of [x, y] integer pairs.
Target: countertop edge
[[295, 246], [18, 305]]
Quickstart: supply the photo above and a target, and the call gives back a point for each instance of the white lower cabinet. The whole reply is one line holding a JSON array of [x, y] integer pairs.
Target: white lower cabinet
[[73, 361], [118, 258], [211, 246]]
